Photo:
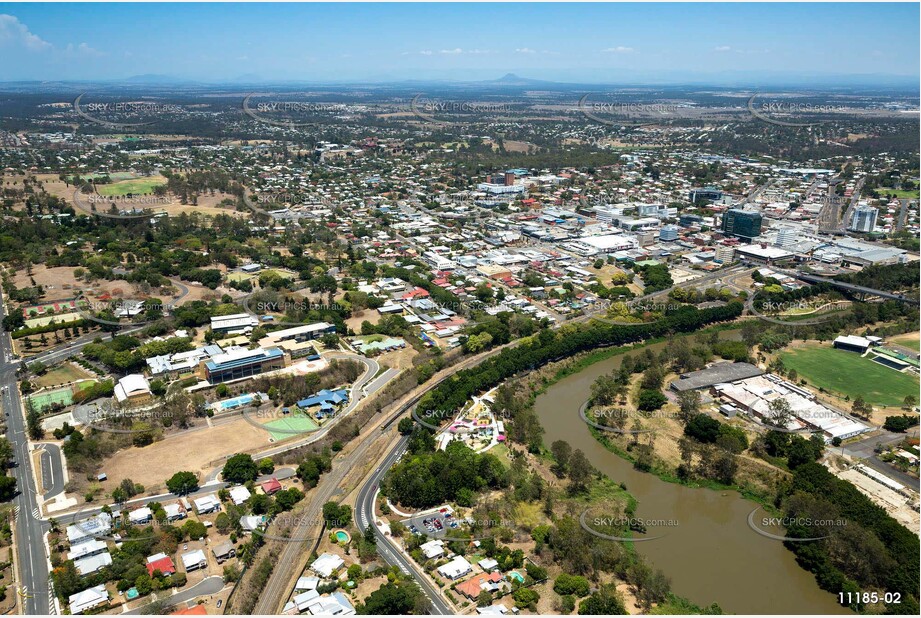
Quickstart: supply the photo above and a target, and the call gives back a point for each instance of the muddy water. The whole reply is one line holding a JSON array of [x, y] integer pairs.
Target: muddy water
[[711, 555]]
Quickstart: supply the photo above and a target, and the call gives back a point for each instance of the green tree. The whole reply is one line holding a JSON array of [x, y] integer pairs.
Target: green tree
[[240, 468], [182, 483], [606, 601]]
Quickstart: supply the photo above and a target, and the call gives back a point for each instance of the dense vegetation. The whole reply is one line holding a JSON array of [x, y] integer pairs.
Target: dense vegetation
[[549, 345]]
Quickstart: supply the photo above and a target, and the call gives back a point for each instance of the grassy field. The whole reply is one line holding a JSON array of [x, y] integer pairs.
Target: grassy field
[[910, 340], [904, 195], [61, 375], [137, 186], [846, 373]]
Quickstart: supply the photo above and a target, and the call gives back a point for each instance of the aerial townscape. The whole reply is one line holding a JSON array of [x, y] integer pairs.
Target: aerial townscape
[[298, 319]]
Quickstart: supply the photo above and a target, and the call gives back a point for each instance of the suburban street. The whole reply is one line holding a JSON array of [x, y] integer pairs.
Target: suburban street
[[209, 585], [28, 529]]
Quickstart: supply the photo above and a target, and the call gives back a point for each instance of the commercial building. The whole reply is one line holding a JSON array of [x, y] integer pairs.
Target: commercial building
[[234, 322], [133, 390], [181, 361], [863, 219], [852, 343], [719, 372], [754, 396], [296, 341], [239, 364], [762, 254], [787, 237], [668, 233], [742, 223], [724, 254], [706, 193]]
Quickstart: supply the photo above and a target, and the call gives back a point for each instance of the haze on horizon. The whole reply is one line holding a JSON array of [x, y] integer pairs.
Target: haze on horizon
[[803, 44]]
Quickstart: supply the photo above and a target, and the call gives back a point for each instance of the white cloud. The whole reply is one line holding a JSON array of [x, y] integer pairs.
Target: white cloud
[[525, 50], [456, 50], [12, 31], [620, 49], [722, 48]]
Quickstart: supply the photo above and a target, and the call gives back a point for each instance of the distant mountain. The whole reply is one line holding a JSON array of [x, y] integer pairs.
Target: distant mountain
[[152, 78], [246, 78], [510, 79]]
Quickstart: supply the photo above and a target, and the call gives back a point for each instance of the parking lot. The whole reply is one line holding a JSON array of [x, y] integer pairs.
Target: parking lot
[[428, 522]]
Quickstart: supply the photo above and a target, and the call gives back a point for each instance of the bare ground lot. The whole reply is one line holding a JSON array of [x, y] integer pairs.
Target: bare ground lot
[[195, 451], [59, 283]]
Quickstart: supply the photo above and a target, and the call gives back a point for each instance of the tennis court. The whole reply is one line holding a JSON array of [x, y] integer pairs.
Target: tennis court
[[286, 427], [63, 396]]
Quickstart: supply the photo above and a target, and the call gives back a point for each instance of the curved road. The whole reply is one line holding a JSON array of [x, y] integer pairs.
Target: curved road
[[386, 548], [209, 585]]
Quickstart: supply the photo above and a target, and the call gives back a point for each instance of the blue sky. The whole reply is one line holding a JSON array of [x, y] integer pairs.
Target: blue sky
[[381, 42]]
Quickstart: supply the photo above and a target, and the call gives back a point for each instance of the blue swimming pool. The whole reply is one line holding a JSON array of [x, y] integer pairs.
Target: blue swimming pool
[[240, 400]]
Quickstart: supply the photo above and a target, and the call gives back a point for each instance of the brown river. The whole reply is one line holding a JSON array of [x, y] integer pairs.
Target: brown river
[[709, 553]]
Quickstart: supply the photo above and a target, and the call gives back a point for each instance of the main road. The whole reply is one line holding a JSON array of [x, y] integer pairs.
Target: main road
[[386, 548], [28, 529]]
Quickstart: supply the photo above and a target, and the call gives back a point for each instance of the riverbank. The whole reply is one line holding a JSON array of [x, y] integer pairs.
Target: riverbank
[[712, 554]]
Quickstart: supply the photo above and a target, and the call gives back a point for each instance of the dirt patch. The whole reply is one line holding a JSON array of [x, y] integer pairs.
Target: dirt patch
[[196, 451]]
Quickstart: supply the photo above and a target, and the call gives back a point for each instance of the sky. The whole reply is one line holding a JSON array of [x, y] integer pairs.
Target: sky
[[600, 43]]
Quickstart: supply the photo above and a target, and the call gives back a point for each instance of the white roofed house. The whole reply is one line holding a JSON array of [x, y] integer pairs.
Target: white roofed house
[[239, 494], [89, 528], [433, 549], [88, 599], [326, 565], [457, 567], [174, 511], [193, 560], [139, 516], [207, 504]]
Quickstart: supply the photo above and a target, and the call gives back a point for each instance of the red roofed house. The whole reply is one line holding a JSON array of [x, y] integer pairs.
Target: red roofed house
[[415, 293], [195, 610], [271, 486], [475, 585], [164, 565]]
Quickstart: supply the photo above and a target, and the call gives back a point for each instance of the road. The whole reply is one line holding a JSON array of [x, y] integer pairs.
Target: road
[[52, 470], [865, 451], [386, 548], [29, 531], [210, 487], [276, 589], [209, 585], [308, 522]]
